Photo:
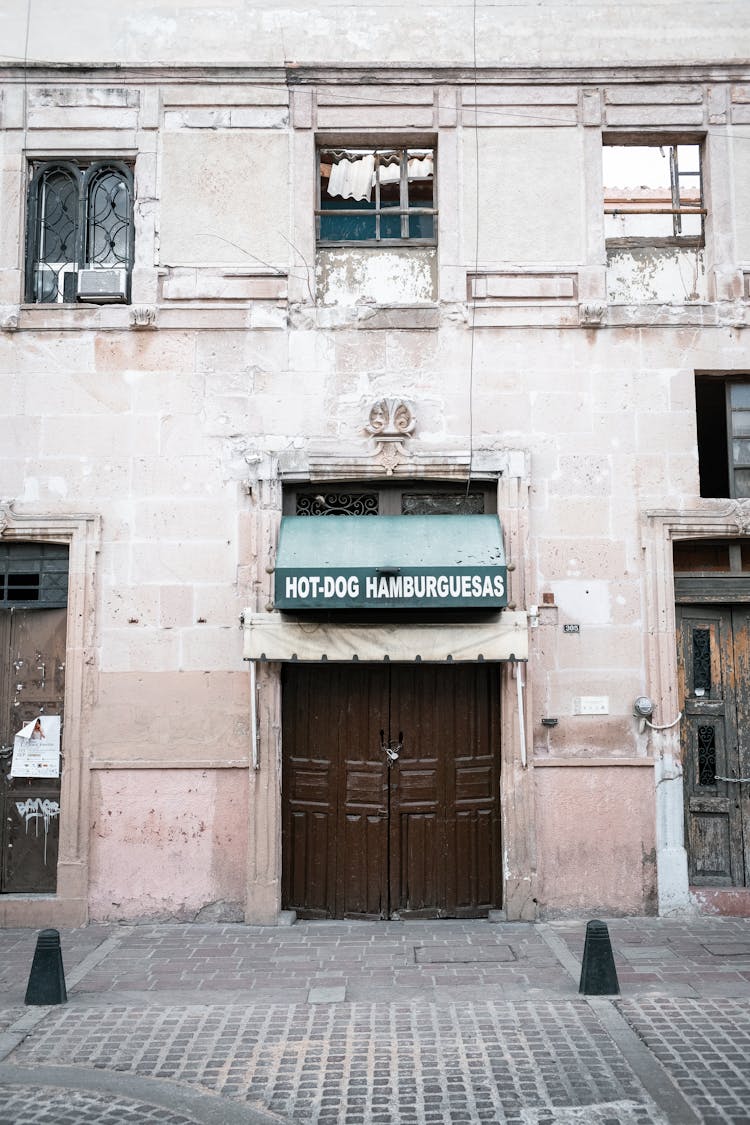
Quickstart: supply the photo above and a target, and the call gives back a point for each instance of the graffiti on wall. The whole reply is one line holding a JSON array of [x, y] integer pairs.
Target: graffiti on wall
[[38, 809]]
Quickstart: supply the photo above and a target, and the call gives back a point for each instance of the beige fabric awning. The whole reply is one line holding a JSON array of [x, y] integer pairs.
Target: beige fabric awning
[[268, 636]]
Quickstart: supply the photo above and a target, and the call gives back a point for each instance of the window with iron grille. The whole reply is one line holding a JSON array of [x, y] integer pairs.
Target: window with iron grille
[[376, 195], [412, 499], [33, 575], [80, 232]]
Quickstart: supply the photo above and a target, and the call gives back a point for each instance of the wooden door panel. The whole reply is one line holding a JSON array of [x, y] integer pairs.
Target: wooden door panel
[[475, 862], [309, 787], [334, 778], [712, 688], [362, 863], [416, 884], [361, 707], [709, 844], [449, 771], [307, 869], [417, 824], [33, 655]]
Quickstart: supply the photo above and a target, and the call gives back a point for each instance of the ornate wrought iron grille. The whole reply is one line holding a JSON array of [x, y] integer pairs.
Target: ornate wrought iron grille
[[702, 660], [108, 227], [338, 504], [706, 756], [79, 217]]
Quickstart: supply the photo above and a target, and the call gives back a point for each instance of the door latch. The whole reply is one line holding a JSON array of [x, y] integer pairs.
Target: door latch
[[392, 748]]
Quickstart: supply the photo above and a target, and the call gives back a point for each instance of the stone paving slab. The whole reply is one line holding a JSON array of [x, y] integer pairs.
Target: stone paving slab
[[407, 958], [414, 1063], [704, 1046], [418, 1023]]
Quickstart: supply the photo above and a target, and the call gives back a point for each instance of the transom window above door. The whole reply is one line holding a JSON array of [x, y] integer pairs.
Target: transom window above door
[[412, 499], [376, 195]]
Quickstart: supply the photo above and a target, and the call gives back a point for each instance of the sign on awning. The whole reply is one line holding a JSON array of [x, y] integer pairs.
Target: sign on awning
[[390, 562]]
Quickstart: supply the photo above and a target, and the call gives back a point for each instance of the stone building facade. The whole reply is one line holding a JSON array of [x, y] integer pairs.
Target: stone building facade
[[258, 267]]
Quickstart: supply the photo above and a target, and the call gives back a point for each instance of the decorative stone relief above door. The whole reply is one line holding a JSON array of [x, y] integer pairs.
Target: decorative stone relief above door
[[391, 423]]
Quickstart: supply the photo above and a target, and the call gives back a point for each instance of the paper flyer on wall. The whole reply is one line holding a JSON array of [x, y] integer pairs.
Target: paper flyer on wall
[[36, 748]]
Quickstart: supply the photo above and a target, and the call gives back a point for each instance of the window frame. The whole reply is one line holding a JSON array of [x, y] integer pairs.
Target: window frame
[[361, 143], [672, 141], [85, 172]]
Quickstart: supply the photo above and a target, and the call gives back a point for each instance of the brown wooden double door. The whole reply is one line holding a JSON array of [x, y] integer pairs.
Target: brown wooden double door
[[714, 663], [391, 790]]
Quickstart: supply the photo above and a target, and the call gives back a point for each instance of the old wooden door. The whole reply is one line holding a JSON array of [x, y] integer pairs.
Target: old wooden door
[[714, 663], [391, 803], [32, 644]]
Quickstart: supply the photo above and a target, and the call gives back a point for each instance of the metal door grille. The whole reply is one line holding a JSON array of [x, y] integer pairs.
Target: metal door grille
[[33, 575]]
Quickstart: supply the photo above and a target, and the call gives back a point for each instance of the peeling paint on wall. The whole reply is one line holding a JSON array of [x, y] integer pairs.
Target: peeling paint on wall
[[375, 276], [656, 275]]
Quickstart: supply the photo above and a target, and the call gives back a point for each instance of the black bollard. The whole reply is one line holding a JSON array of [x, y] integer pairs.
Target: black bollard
[[47, 977], [598, 972]]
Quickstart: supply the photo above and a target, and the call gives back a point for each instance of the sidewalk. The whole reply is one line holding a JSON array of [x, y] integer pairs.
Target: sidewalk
[[395, 1022]]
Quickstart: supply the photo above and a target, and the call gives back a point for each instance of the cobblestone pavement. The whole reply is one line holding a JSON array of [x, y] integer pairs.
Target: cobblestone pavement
[[412, 1022]]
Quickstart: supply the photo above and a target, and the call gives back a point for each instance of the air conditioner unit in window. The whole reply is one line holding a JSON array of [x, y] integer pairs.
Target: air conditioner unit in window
[[103, 286]]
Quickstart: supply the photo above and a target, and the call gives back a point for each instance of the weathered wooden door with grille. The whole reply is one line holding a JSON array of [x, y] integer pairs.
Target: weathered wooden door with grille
[[391, 790], [714, 664], [32, 674]]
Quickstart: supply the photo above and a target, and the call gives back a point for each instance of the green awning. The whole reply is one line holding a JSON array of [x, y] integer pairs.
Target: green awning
[[390, 562]]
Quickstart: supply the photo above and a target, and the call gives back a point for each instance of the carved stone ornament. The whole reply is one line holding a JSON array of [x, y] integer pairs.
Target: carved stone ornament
[[740, 513], [9, 315], [592, 313], [391, 423], [143, 316]]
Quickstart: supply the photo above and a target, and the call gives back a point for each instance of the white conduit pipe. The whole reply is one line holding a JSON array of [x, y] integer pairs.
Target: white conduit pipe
[[664, 726], [521, 725], [253, 718]]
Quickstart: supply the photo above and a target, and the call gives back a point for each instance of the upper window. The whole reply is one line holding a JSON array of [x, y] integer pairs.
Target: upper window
[[80, 232], [653, 192], [723, 426], [376, 195]]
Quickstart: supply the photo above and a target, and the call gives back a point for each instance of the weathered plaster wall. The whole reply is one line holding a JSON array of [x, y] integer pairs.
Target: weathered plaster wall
[[597, 841], [249, 32], [168, 844], [651, 276], [523, 173], [234, 184], [740, 173]]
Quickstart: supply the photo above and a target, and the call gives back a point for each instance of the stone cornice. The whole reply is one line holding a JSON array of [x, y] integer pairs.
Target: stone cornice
[[293, 74]]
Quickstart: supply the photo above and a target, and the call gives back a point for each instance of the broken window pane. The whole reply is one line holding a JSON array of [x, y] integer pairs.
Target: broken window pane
[[374, 195], [652, 191]]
